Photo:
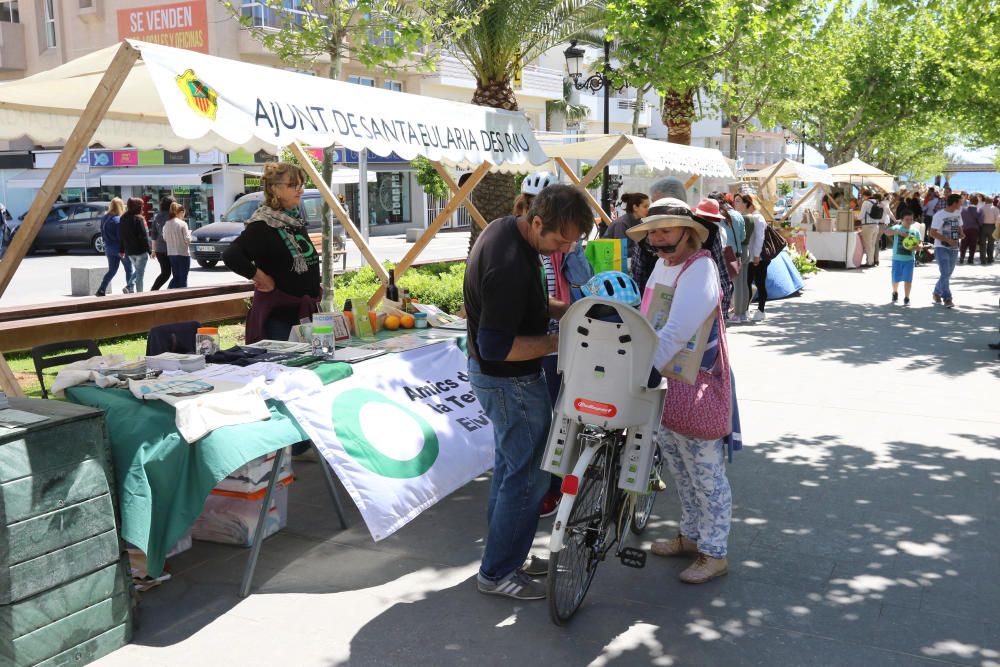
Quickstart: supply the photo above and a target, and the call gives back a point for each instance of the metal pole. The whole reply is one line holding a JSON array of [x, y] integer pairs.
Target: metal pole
[[363, 194], [605, 191]]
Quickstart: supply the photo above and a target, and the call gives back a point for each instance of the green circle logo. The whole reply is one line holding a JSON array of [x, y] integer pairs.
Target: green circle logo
[[347, 425]]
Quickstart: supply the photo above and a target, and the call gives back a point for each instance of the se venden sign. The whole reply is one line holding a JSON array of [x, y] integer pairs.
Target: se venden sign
[[183, 25]]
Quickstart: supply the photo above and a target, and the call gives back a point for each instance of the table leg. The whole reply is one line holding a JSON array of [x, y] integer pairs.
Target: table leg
[[258, 536], [328, 477]]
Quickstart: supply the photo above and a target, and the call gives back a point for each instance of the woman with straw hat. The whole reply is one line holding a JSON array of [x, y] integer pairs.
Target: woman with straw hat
[[697, 465]]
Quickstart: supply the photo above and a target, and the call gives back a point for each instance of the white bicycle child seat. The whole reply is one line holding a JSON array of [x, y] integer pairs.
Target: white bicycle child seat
[[605, 368]]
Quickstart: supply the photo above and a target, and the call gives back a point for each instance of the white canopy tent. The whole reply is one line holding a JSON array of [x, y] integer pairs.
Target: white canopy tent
[[858, 172], [689, 161], [206, 103], [787, 170]]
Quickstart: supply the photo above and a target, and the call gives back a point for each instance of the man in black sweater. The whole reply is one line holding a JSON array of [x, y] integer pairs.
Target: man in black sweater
[[508, 310]]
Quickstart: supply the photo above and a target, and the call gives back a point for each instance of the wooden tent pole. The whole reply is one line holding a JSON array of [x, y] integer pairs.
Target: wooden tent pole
[[586, 193], [98, 104], [433, 228], [799, 202], [453, 186], [605, 160], [691, 181], [101, 99], [338, 210]]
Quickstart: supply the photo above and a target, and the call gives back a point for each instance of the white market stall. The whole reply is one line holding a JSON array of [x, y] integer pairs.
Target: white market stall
[[204, 103], [856, 173], [659, 156]]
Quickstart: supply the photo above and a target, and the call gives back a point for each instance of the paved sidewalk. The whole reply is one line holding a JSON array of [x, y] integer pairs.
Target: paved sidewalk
[[865, 526]]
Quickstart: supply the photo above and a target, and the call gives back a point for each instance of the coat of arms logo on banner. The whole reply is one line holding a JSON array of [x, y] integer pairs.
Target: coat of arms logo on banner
[[202, 99]]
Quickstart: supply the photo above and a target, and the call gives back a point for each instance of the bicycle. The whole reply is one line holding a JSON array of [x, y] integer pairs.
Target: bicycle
[[602, 446]]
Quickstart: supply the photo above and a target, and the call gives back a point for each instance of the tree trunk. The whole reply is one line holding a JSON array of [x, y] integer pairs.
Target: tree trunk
[[734, 138], [327, 304], [640, 98], [495, 194], [678, 115]]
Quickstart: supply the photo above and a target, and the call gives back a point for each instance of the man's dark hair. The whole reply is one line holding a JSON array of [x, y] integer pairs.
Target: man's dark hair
[[165, 203], [953, 199], [562, 208]]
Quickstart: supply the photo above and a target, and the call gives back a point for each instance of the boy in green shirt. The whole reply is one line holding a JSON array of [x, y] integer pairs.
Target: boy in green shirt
[[905, 243]]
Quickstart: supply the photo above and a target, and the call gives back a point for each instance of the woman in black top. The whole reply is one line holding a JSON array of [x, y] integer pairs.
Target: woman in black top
[[275, 252], [636, 205], [135, 242], [159, 243]]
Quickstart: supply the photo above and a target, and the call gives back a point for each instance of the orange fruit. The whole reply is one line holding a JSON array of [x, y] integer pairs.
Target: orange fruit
[[391, 322], [407, 321]]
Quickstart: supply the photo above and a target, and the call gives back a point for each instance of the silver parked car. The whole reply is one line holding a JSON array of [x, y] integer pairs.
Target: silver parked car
[[69, 226]]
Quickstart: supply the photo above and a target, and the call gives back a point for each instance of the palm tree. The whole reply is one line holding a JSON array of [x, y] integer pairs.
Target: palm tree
[[509, 32], [573, 112]]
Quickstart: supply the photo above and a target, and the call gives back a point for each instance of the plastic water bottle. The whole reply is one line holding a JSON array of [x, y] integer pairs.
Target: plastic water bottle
[[322, 340]]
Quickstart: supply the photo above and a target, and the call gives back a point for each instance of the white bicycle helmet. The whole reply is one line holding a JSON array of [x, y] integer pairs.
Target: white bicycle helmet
[[536, 182]]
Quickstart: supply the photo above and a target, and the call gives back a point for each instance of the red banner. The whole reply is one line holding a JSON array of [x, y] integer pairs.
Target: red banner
[[183, 25]]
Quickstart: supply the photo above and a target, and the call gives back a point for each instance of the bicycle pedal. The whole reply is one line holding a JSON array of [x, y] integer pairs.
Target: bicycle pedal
[[631, 557]]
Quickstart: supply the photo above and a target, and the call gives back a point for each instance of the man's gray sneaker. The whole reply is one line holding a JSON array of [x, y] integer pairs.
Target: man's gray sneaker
[[516, 585], [536, 566]]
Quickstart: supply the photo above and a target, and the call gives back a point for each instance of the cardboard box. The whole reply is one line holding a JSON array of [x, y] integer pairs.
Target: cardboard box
[[255, 475]]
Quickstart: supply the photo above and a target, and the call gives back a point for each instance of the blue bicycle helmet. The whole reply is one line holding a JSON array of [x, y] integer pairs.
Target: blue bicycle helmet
[[613, 285]]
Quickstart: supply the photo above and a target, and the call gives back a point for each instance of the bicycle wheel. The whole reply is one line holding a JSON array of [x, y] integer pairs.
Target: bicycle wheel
[[572, 568], [644, 503]]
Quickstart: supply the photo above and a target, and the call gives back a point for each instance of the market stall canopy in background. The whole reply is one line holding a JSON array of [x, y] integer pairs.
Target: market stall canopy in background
[[657, 155], [207, 103], [858, 172], [790, 170]]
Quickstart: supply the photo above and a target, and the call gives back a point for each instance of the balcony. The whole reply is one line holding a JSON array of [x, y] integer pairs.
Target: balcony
[[622, 111], [12, 55], [535, 81]]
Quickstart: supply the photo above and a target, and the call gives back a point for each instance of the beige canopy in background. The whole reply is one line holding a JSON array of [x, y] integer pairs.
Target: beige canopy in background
[[858, 172], [657, 155], [790, 170]]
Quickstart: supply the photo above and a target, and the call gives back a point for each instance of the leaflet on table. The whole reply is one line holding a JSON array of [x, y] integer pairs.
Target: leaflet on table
[[402, 343], [440, 319], [275, 381], [172, 361], [684, 366], [281, 346]]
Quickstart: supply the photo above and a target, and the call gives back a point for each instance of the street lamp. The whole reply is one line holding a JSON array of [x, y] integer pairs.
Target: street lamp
[[595, 82]]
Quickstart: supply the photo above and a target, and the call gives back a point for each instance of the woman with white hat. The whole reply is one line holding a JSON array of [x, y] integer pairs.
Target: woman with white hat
[[697, 464]]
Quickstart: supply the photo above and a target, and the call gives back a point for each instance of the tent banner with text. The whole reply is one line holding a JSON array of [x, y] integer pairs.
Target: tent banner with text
[[402, 432], [240, 101]]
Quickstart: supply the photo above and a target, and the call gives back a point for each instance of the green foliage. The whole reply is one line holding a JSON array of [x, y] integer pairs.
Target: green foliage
[[439, 284], [805, 264], [288, 156], [509, 30], [598, 180], [428, 178]]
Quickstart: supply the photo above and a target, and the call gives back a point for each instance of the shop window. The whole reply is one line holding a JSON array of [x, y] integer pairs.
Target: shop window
[[9, 11], [388, 199], [50, 24]]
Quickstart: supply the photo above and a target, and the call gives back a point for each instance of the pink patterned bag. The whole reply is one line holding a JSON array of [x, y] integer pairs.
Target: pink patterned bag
[[703, 410]]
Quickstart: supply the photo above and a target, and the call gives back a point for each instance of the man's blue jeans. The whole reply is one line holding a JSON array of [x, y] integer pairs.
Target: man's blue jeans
[[521, 412], [946, 260]]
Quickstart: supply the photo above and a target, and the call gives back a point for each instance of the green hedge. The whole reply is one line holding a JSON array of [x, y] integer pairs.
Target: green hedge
[[439, 284]]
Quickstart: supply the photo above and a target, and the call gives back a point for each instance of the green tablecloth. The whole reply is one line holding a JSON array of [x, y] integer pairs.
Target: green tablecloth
[[163, 480]]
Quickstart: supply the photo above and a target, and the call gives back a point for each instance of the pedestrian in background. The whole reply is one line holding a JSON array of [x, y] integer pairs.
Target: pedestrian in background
[[113, 251], [972, 220], [987, 243], [946, 230], [135, 243], [178, 236], [160, 243]]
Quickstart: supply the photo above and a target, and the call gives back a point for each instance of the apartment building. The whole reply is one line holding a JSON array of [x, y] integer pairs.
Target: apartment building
[[36, 35]]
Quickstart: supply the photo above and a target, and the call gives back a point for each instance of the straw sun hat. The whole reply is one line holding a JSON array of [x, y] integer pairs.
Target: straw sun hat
[[665, 214]]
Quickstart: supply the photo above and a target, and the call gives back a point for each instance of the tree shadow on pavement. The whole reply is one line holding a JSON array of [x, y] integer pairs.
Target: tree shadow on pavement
[[844, 555], [951, 342]]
